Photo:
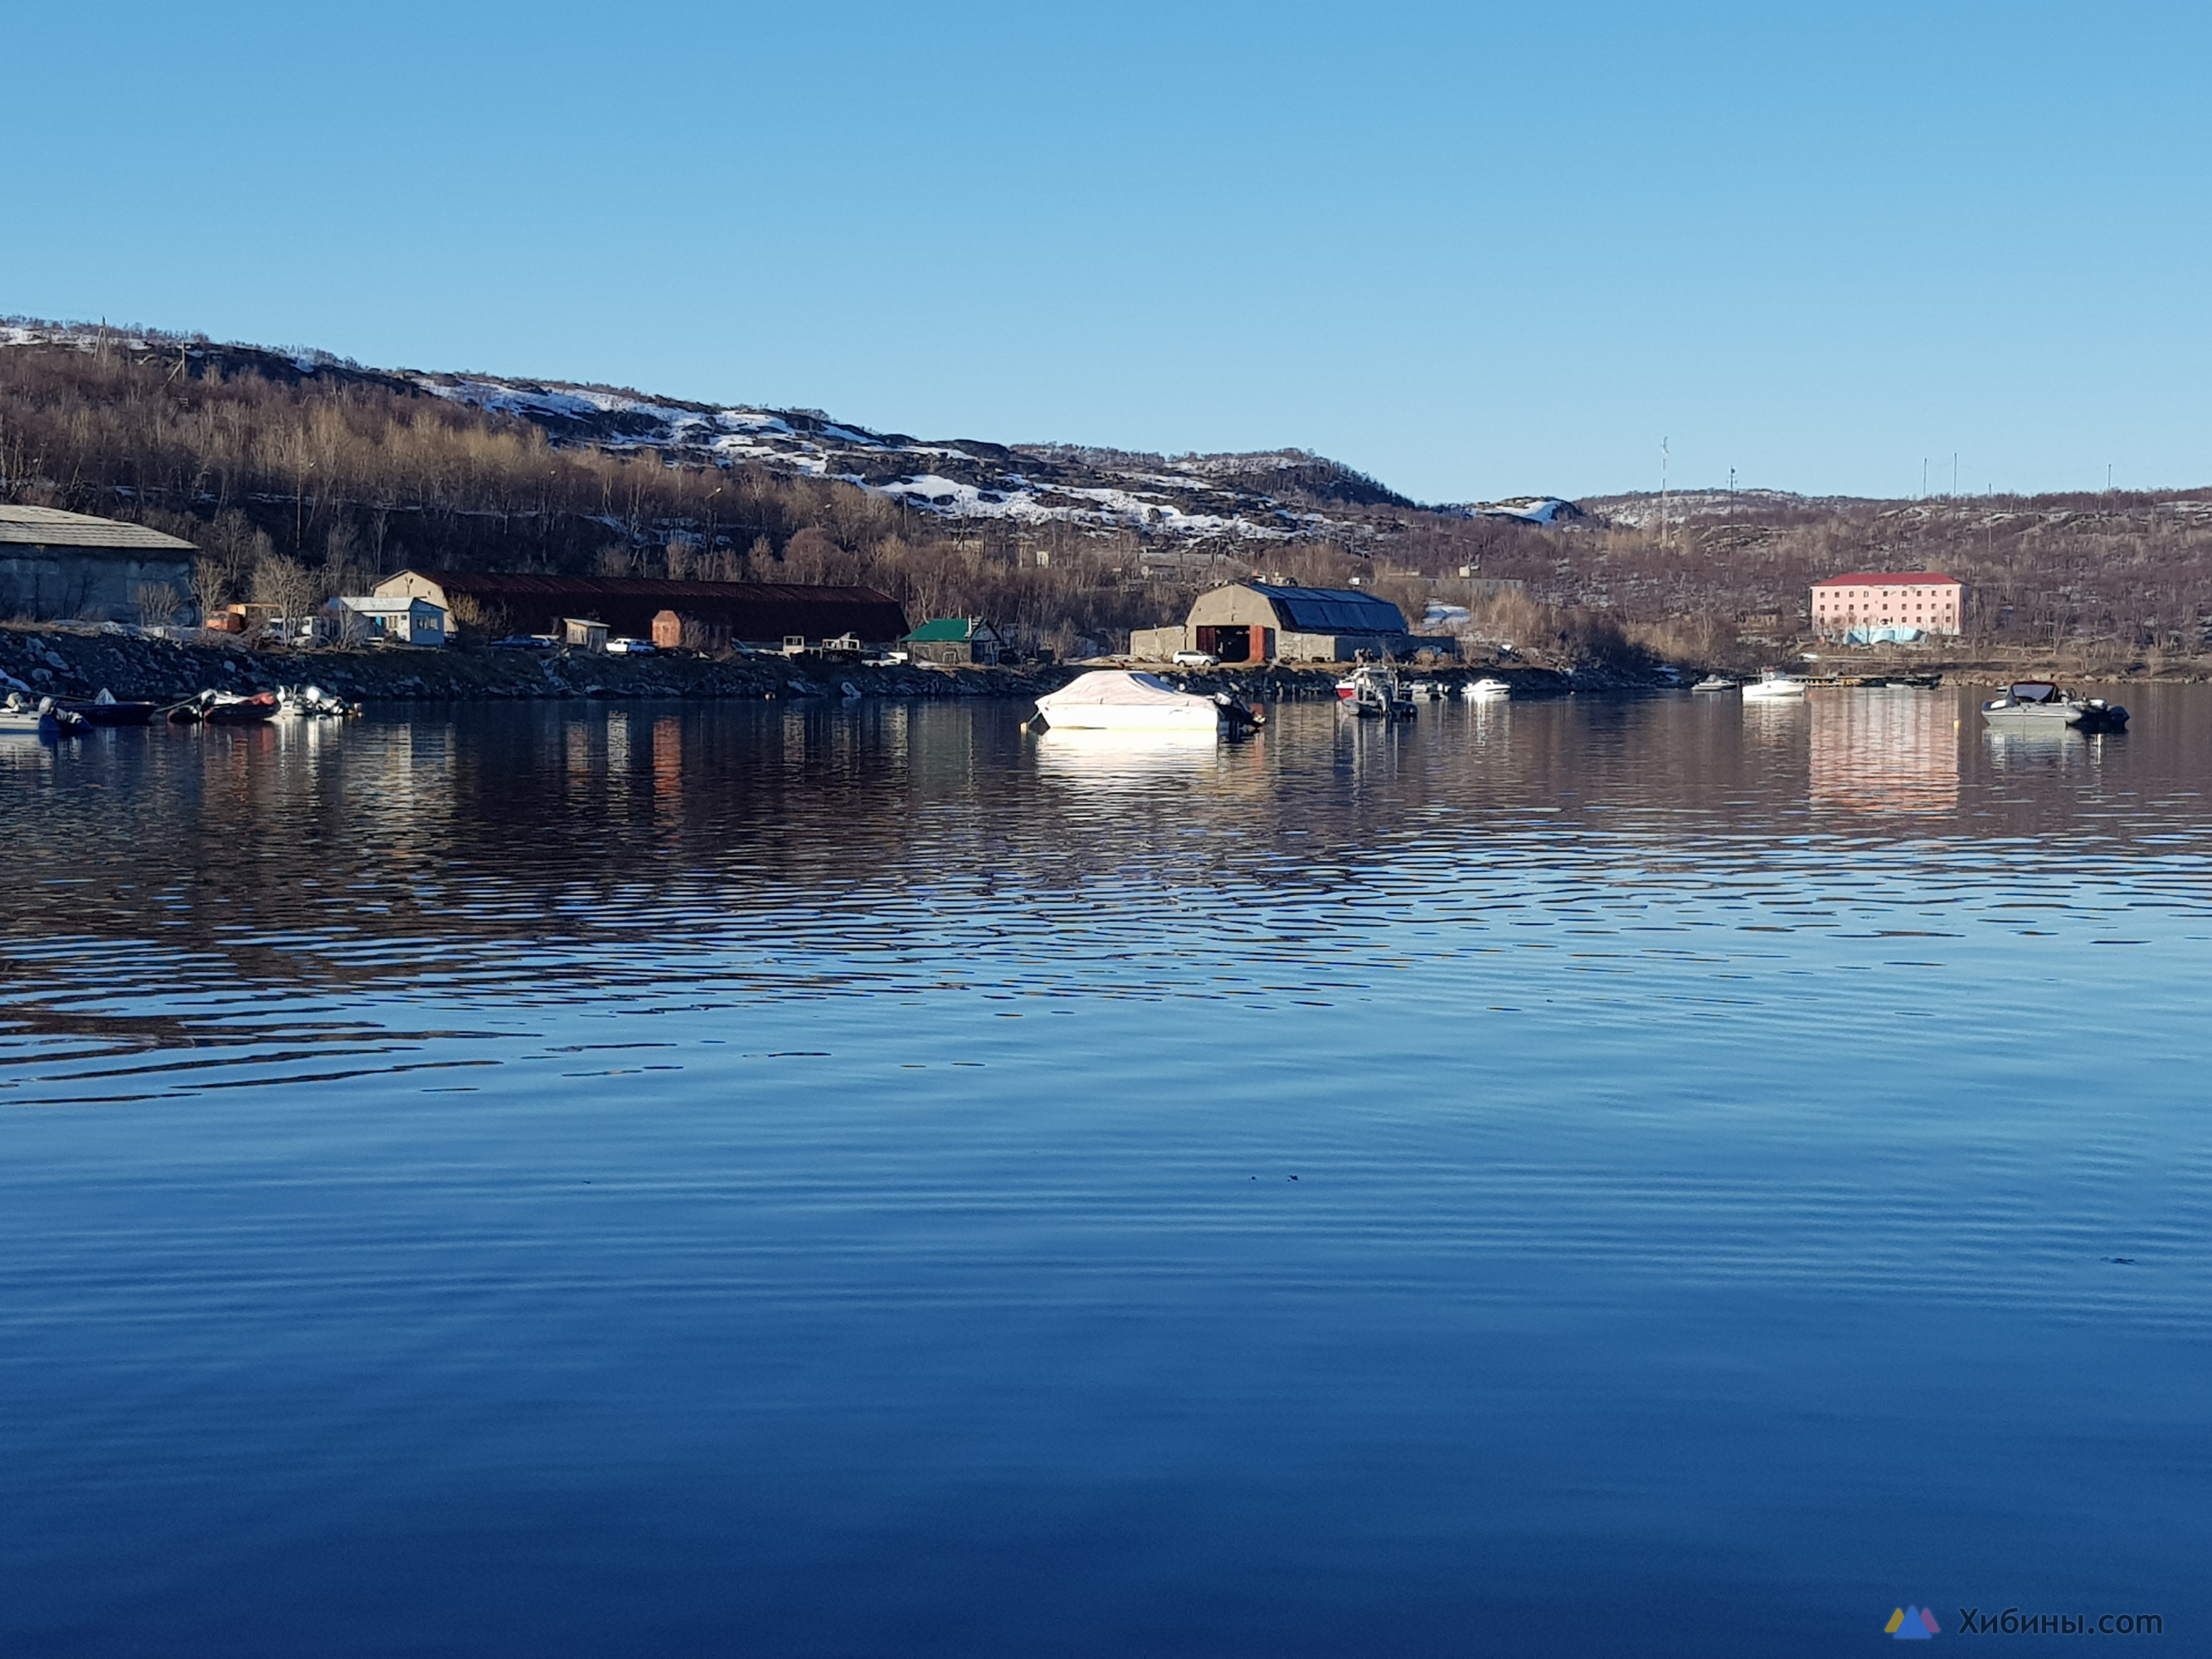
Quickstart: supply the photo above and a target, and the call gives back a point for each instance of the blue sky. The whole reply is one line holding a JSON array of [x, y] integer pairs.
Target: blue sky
[[1474, 250]]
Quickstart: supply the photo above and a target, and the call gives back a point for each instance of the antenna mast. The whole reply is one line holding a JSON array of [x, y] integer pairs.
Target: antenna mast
[[1664, 532]]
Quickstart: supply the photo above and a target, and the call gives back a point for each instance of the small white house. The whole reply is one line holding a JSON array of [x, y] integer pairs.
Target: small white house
[[402, 621]]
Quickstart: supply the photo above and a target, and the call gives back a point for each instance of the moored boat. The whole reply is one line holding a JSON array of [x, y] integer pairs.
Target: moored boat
[[1775, 683], [312, 702], [2041, 706], [1715, 682], [20, 717], [1121, 699], [107, 709], [1372, 692], [227, 709], [1485, 689]]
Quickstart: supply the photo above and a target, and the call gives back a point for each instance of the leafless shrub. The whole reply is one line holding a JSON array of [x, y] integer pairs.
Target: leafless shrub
[[157, 603], [288, 587]]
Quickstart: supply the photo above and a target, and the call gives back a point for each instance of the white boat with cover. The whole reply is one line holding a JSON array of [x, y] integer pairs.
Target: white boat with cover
[[1121, 700], [1485, 689]]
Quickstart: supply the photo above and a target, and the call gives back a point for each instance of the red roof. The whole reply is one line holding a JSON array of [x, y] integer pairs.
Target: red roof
[[1886, 579]]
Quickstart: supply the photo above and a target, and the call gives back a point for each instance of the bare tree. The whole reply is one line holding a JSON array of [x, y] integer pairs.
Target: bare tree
[[288, 587], [157, 603]]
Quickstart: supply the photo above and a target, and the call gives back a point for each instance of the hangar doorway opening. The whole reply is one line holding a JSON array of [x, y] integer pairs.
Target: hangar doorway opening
[[1237, 641]]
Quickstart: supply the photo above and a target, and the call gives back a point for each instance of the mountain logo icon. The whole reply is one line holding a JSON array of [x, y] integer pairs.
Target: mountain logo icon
[[1910, 1624]]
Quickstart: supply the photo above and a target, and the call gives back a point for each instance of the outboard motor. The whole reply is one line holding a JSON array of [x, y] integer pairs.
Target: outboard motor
[[1239, 718]]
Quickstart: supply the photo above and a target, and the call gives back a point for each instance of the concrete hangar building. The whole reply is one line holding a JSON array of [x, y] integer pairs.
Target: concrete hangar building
[[1261, 622], [70, 564]]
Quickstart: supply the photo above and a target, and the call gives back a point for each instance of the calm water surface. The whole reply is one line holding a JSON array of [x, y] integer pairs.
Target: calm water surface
[[1590, 1177]]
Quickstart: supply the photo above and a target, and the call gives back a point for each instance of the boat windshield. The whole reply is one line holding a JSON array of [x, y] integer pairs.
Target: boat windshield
[[2034, 691]]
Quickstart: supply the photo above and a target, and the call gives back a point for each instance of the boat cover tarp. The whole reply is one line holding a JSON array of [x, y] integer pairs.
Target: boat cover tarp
[[1120, 689]]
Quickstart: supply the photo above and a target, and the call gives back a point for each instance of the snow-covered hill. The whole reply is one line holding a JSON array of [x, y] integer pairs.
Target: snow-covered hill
[[1273, 495]]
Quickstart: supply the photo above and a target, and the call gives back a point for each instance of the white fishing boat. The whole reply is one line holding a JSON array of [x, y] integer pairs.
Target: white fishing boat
[[1485, 689], [2039, 706], [1775, 683], [1121, 699]]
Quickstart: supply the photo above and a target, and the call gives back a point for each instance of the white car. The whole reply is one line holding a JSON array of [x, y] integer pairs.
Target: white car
[[631, 647], [1196, 659]]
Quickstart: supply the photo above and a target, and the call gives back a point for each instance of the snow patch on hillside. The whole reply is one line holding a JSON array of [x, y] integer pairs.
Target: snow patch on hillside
[[1034, 487], [1528, 509]]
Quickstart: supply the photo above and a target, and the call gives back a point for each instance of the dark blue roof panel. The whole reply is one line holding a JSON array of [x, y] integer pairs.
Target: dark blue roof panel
[[1333, 610]]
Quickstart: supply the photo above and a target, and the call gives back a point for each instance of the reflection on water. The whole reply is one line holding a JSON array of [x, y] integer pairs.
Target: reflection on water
[[1889, 750], [2060, 751], [787, 1178], [1082, 755]]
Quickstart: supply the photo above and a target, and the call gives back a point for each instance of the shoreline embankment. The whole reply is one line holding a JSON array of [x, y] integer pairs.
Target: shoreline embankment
[[80, 661], [77, 660]]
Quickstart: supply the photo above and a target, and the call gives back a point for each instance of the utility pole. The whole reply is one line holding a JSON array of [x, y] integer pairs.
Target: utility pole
[[1663, 532]]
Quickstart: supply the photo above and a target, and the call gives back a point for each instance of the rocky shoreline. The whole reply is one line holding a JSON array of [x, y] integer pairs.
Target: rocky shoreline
[[80, 661], [73, 660], [68, 661]]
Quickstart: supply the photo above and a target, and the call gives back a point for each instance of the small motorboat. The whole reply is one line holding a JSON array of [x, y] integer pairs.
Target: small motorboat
[[312, 702], [1371, 691], [1426, 691], [1715, 682], [1775, 683], [1120, 699], [19, 717], [1485, 689], [2040, 706], [105, 710], [227, 708]]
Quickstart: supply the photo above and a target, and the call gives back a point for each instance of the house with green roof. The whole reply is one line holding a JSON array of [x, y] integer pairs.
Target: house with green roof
[[956, 639]]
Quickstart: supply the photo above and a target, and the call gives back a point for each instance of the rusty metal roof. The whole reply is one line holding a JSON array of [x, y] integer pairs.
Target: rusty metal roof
[[48, 526]]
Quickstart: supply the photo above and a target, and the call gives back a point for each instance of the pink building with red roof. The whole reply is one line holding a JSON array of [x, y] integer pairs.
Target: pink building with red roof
[[1925, 599]]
